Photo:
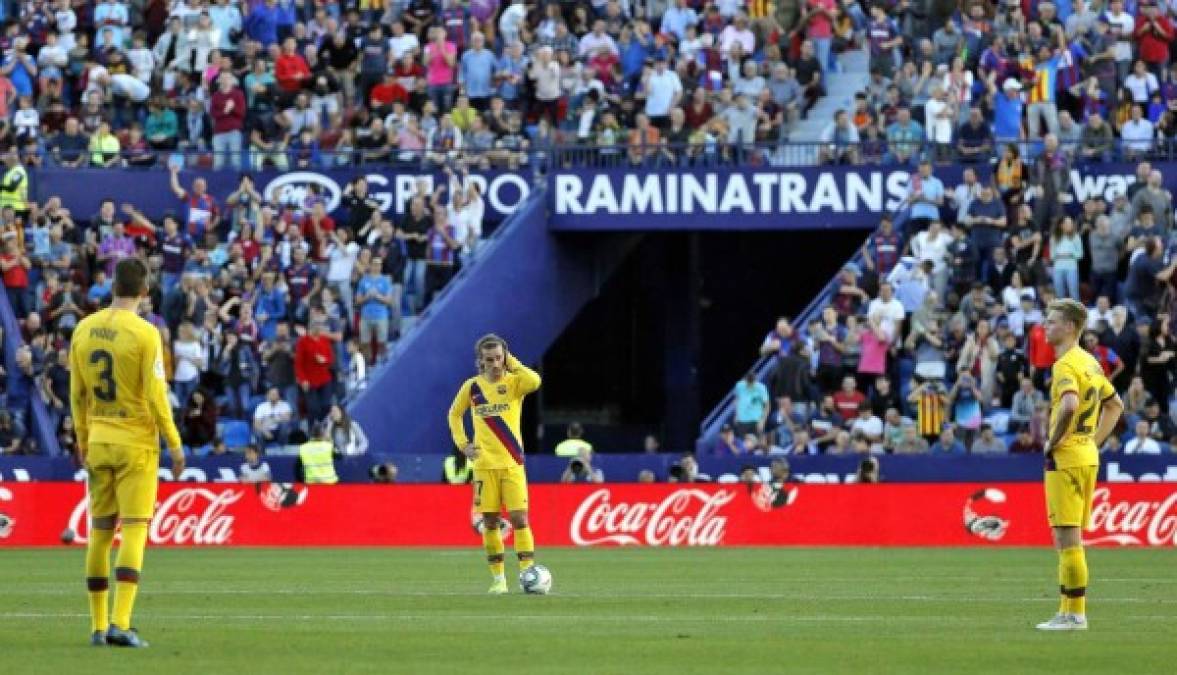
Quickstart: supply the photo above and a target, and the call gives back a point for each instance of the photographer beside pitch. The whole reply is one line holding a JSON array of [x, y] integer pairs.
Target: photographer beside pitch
[[495, 399], [1080, 395]]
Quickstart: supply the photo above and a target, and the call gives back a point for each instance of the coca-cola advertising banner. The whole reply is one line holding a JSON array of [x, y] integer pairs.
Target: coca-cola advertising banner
[[944, 514]]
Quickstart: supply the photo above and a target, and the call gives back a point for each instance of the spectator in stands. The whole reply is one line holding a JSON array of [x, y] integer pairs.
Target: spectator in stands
[[1158, 363], [1024, 442], [314, 365], [199, 421], [1010, 370], [911, 443], [10, 436], [1025, 401], [947, 444], [345, 433], [987, 443], [272, 419], [190, 359], [1142, 443], [752, 405], [1160, 425], [254, 469], [868, 426], [779, 340]]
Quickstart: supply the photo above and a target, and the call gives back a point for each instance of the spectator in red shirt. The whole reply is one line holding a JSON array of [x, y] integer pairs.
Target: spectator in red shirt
[[1153, 34], [1039, 353], [314, 358], [316, 229], [15, 266], [1111, 362], [388, 92], [848, 398], [227, 109], [290, 69]]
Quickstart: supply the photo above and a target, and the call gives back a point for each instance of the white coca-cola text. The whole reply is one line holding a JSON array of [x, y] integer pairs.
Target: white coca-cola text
[[194, 516], [1152, 523], [684, 517]]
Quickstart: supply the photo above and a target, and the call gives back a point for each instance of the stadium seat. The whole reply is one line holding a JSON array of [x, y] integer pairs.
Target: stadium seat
[[235, 433]]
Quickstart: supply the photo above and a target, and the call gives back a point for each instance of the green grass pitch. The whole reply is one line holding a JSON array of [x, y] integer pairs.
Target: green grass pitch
[[251, 611]]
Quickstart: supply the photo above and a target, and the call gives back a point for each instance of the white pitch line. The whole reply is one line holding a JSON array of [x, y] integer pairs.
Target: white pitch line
[[605, 595], [525, 617]]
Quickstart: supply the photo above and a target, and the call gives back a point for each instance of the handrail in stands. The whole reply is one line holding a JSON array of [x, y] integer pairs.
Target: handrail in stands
[[39, 422]]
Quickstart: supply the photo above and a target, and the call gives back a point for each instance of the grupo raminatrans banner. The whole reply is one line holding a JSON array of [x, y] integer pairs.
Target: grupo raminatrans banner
[[275, 514], [768, 198], [82, 190]]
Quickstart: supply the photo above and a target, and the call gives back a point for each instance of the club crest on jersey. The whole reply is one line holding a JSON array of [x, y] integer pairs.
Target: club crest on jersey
[[501, 389]]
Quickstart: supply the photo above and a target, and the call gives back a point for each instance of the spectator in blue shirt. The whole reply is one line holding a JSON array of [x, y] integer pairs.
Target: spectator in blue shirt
[[948, 445], [99, 290], [271, 307], [377, 300], [510, 71], [262, 23], [752, 404], [476, 73]]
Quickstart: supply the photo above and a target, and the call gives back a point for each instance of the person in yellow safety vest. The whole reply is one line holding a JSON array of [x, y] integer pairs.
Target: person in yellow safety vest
[[316, 459], [14, 186], [457, 469], [571, 446]]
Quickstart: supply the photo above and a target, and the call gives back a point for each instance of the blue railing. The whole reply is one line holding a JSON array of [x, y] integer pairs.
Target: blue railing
[[38, 421]]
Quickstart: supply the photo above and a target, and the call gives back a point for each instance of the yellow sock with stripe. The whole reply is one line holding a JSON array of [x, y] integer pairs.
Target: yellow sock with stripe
[[1073, 573], [126, 572], [524, 547], [98, 577], [492, 540]]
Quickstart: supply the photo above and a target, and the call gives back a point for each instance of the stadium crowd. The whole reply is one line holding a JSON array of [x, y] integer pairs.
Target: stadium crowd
[[934, 342]]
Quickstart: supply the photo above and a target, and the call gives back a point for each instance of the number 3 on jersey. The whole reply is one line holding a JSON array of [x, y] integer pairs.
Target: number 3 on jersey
[[107, 392]]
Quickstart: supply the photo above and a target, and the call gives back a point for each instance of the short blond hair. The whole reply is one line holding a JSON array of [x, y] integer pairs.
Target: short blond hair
[[1071, 310]]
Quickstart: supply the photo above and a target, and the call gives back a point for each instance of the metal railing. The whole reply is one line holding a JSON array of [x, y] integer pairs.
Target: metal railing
[[715, 153]]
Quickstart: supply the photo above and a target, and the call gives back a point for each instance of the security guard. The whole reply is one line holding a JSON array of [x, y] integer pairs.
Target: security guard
[[571, 446], [14, 186], [316, 459]]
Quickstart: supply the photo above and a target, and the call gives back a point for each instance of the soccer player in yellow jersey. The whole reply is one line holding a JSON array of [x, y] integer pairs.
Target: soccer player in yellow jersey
[[495, 399], [1084, 409], [119, 400]]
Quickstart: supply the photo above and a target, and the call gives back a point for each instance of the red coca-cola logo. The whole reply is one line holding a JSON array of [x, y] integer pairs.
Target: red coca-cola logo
[[187, 516], [1152, 523], [688, 517]]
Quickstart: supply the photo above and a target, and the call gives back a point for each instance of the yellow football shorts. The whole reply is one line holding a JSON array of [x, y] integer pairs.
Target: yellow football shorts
[[1068, 495], [122, 480], [496, 488]]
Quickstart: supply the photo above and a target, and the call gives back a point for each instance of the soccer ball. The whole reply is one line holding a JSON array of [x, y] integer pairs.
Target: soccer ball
[[536, 580]]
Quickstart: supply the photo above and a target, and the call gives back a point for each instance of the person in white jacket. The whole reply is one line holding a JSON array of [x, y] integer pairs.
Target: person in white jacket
[[345, 433]]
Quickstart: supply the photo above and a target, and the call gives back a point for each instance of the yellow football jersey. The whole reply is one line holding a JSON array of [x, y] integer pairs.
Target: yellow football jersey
[[1078, 372], [496, 407], [118, 392]]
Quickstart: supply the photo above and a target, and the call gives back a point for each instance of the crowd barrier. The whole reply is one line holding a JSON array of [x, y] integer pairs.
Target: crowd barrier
[[275, 514]]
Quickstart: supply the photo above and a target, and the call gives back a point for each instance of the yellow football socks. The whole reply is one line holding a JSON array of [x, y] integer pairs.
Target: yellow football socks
[[492, 540], [524, 547], [1073, 578], [98, 577], [126, 572]]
